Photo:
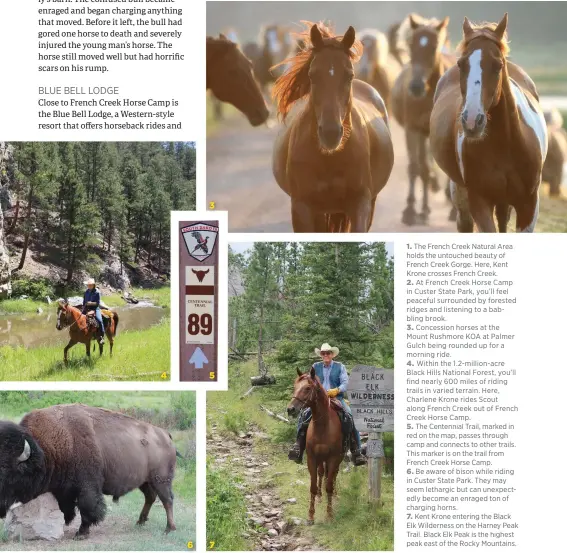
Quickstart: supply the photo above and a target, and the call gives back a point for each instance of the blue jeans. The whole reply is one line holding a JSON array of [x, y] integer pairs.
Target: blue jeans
[[305, 418], [98, 317]]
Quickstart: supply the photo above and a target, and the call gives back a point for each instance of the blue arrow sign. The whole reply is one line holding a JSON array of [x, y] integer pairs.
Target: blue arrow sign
[[198, 358]]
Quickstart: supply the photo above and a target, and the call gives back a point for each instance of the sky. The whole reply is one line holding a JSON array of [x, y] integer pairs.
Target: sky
[[241, 247]]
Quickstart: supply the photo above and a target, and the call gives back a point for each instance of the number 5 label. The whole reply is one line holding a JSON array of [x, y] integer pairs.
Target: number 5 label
[[199, 306]]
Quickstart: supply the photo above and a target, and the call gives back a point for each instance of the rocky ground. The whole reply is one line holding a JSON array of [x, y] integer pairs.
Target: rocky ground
[[269, 529]]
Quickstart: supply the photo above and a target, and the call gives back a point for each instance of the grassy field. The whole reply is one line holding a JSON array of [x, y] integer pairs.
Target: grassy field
[[357, 525], [158, 296], [137, 355], [174, 411]]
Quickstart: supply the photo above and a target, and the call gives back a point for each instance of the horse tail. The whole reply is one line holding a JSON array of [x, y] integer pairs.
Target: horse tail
[[116, 319], [338, 222]]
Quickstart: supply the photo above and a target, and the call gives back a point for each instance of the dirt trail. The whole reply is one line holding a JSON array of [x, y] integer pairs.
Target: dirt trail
[[240, 180], [269, 530]]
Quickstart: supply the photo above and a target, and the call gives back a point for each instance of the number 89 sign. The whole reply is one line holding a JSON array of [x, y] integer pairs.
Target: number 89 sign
[[199, 307]]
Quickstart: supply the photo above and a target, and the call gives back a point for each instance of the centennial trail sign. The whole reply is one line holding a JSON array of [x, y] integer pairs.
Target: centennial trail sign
[[198, 309]]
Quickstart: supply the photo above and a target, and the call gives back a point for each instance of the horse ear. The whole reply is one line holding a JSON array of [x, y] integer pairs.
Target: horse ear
[[222, 37], [443, 24], [316, 37], [414, 24], [467, 27], [349, 38], [312, 373], [501, 28], [299, 373]]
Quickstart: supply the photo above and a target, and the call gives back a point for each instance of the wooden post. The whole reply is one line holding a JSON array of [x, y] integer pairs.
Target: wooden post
[[374, 453]]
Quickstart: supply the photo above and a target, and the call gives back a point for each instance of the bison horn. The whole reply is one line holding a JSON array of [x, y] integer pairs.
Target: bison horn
[[26, 453]]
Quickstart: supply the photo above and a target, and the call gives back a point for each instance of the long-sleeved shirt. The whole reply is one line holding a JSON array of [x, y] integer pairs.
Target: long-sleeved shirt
[[91, 295]]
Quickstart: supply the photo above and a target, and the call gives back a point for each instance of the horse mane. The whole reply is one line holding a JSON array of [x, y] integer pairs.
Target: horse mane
[[294, 84], [485, 28]]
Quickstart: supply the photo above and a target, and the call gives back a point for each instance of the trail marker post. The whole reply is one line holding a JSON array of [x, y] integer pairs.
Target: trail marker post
[[371, 395]]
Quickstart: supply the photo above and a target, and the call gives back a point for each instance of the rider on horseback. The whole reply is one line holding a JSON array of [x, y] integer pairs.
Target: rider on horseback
[[91, 302], [334, 378]]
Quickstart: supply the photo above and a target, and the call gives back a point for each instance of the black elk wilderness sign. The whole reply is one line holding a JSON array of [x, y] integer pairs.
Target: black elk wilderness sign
[[198, 310], [371, 396]]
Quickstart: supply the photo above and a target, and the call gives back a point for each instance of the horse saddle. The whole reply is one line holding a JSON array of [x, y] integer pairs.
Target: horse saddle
[[106, 314], [93, 323], [347, 424]]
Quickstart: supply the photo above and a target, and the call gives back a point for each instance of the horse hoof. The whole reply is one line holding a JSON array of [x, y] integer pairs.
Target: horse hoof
[[423, 217], [453, 215], [408, 216], [310, 522]]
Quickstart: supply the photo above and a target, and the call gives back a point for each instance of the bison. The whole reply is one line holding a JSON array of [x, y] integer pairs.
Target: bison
[[81, 453]]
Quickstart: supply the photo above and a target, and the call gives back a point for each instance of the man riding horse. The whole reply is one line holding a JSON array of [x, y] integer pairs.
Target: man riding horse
[[92, 302], [334, 378]]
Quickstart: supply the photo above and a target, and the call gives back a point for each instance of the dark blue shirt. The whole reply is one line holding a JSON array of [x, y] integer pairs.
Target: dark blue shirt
[[91, 295]]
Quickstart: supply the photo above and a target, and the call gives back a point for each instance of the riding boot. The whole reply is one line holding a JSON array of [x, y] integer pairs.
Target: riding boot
[[101, 335], [357, 458], [297, 449]]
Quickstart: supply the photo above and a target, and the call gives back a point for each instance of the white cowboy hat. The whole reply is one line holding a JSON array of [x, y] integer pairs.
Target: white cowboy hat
[[89, 282], [327, 347]]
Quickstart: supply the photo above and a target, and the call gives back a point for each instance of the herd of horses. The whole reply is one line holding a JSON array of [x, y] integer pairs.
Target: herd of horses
[[472, 114]]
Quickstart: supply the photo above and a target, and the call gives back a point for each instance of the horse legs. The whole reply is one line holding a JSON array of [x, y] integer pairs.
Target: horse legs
[[408, 215], [483, 213], [503, 216], [312, 466], [333, 469], [362, 214], [526, 214], [424, 174], [321, 473], [453, 212], [305, 219], [459, 195], [67, 348]]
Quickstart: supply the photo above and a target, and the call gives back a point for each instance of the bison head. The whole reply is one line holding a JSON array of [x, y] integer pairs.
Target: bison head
[[22, 466]]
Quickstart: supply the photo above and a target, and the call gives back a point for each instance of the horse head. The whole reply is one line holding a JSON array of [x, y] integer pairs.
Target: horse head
[[231, 79], [304, 392], [62, 311], [481, 65], [426, 41], [331, 73]]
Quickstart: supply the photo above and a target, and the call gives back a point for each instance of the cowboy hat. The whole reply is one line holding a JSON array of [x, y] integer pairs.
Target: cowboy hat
[[89, 282], [327, 347]]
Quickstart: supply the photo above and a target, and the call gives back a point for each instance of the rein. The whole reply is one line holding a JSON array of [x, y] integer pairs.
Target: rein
[[309, 399]]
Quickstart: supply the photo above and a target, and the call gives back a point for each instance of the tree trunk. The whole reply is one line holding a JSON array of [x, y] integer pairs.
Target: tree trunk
[[28, 231], [15, 221]]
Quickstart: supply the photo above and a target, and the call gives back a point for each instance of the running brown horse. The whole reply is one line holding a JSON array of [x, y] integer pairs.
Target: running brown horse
[[324, 444], [80, 332], [412, 102], [489, 134], [373, 67], [230, 79], [334, 152]]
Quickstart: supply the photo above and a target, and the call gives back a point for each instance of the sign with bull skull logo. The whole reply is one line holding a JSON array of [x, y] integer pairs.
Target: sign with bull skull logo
[[200, 240]]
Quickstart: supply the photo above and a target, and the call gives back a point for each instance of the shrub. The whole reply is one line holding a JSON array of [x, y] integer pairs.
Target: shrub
[[36, 288]]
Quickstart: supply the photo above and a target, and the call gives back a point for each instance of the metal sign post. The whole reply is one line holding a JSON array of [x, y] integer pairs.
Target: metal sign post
[[371, 395], [198, 310]]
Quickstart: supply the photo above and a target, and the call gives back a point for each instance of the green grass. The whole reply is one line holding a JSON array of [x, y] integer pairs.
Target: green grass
[[174, 411], [138, 355], [158, 296], [362, 526], [226, 511]]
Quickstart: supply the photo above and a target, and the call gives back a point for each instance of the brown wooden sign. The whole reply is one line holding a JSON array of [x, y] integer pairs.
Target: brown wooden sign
[[198, 305]]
